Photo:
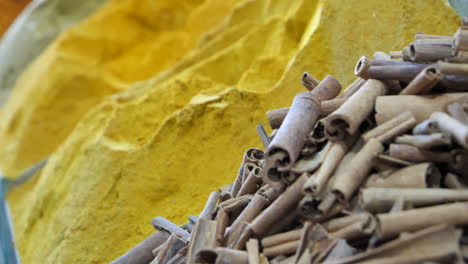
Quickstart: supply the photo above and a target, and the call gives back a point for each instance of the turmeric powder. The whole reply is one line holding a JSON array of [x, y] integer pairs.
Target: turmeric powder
[[170, 116]]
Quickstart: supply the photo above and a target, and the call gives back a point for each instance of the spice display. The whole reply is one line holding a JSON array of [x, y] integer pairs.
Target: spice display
[[147, 107], [376, 193]]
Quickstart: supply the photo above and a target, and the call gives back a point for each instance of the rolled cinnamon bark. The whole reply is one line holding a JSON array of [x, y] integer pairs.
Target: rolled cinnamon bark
[[358, 229], [423, 82], [406, 54], [452, 68], [222, 221], [421, 175], [421, 106], [297, 125], [386, 163], [251, 155], [282, 238], [281, 249], [427, 51], [395, 55], [210, 206], [393, 224], [311, 163], [276, 116], [352, 88], [329, 106], [236, 205], [400, 72], [252, 183], [450, 125], [161, 223], [170, 249], [392, 128], [222, 256], [425, 141], [253, 251], [203, 236], [362, 67], [382, 199], [377, 62], [284, 223], [309, 81], [279, 208], [257, 204], [438, 244], [410, 153], [346, 183], [342, 222], [346, 119], [180, 257], [426, 127], [142, 253], [333, 157]]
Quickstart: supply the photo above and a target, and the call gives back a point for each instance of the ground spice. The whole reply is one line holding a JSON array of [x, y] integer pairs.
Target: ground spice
[[161, 146]]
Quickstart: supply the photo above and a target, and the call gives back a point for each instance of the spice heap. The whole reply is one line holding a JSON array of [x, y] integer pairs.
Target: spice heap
[[376, 174]]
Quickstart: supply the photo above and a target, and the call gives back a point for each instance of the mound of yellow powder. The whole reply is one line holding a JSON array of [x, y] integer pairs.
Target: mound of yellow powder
[[190, 79]]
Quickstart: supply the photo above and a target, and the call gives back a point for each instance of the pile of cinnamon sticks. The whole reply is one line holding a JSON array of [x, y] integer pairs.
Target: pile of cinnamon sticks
[[375, 174]]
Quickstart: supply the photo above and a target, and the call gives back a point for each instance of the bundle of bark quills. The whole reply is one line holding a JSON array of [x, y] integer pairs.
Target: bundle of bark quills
[[376, 174]]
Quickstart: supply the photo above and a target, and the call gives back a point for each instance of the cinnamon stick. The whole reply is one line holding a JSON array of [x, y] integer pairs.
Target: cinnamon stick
[[142, 253], [162, 224], [309, 81], [203, 236], [170, 249], [410, 153], [425, 141], [346, 183], [276, 116], [452, 126], [430, 51], [282, 238], [252, 182], [333, 157], [426, 127], [391, 128], [281, 249], [253, 251], [280, 207], [421, 175], [346, 119], [305, 110], [352, 88], [382, 199], [421, 106], [435, 244], [393, 224], [257, 204], [423, 82], [400, 72], [251, 155]]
